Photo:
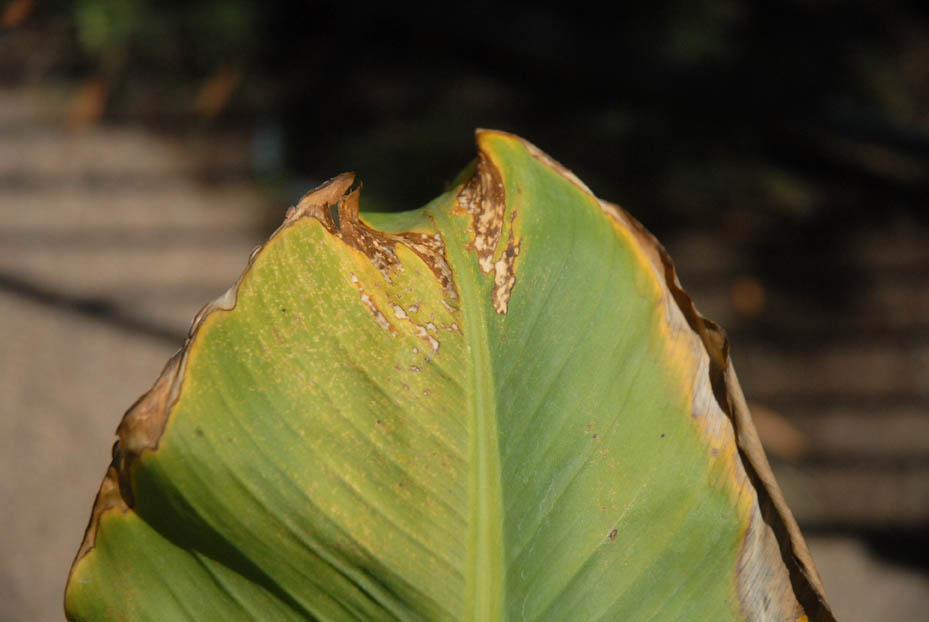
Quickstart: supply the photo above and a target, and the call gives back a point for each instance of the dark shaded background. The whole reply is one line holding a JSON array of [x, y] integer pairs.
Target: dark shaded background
[[780, 150]]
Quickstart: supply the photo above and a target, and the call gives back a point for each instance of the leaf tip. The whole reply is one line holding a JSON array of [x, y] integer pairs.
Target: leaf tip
[[484, 198], [317, 203]]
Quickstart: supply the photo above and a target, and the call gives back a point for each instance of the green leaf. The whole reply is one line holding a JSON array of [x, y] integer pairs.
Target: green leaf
[[501, 406]]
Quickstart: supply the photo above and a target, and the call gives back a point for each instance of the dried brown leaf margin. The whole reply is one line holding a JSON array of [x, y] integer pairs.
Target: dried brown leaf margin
[[143, 424]]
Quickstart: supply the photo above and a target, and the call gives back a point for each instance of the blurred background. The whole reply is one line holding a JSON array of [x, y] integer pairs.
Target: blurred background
[[779, 150]]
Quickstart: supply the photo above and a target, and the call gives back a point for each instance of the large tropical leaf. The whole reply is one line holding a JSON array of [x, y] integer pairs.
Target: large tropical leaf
[[501, 406]]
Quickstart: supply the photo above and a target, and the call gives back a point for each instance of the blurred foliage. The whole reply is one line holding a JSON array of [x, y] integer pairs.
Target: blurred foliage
[[751, 117], [173, 39]]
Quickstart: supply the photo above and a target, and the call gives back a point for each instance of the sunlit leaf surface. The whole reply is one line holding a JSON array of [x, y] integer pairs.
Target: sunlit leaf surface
[[500, 406]]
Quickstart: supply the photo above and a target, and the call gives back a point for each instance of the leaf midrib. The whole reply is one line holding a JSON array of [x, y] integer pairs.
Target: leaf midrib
[[484, 573]]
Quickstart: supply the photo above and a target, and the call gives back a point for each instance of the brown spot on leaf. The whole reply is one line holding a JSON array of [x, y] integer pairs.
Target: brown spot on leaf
[[378, 246], [423, 333], [613, 534], [366, 300], [484, 198], [399, 312], [505, 270]]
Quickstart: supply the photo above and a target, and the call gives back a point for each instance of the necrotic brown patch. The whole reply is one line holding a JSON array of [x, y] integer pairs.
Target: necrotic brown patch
[[505, 270], [484, 198], [378, 246]]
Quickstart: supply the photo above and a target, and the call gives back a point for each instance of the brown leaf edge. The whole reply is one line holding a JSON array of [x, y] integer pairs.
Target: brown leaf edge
[[795, 554], [804, 578], [142, 425], [335, 205]]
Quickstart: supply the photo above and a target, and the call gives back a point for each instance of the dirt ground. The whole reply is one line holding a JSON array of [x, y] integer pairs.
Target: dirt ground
[[112, 238]]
